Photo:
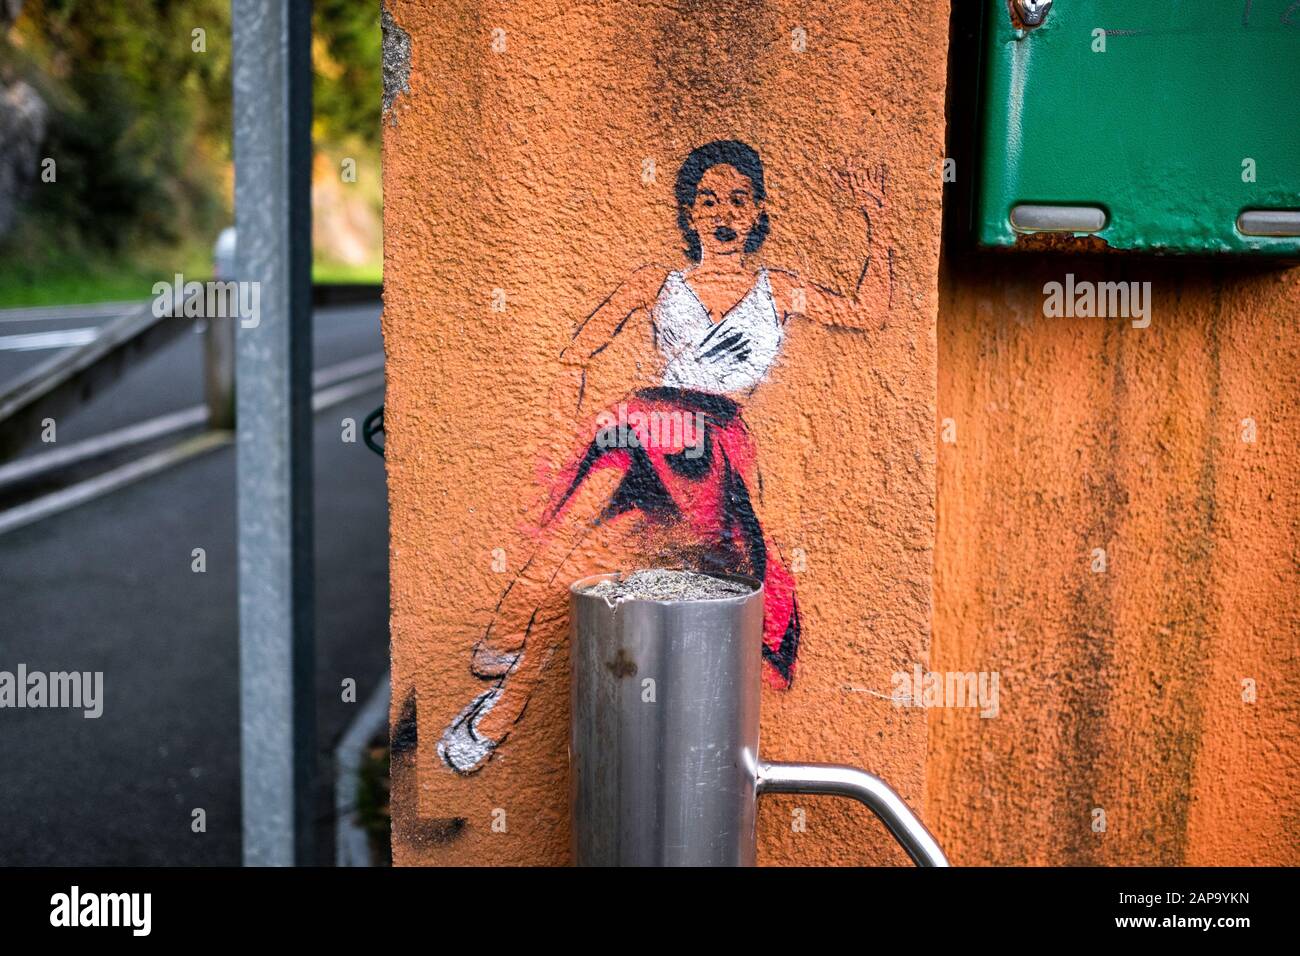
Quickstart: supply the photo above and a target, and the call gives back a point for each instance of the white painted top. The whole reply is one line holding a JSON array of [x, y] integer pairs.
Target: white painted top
[[731, 355]]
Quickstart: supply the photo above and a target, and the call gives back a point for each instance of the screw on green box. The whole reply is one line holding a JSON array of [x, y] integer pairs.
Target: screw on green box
[[1172, 118]]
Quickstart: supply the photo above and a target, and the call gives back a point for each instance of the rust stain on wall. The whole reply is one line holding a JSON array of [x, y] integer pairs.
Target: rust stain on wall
[[533, 174], [1121, 690]]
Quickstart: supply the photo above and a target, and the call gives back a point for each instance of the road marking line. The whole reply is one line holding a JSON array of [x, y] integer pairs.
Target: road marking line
[[120, 438], [63, 313], [35, 341], [344, 370], [92, 488], [329, 397], [327, 392]]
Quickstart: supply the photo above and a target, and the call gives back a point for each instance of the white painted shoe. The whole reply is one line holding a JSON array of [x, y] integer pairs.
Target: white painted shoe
[[461, 748]]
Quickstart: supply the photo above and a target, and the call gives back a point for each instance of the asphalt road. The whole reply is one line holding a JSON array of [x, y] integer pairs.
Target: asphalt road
[[108, 587], [172, 378]]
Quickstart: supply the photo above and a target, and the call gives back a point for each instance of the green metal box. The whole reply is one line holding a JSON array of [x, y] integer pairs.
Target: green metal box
[[1162, 125]]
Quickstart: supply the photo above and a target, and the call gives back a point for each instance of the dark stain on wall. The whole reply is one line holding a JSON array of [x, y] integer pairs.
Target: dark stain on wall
[[404, 737]]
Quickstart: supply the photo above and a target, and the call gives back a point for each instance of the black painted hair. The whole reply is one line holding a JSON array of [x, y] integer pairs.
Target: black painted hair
[[728, 152]]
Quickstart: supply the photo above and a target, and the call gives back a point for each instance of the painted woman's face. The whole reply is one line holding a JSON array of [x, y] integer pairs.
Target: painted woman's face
[[725, 210]]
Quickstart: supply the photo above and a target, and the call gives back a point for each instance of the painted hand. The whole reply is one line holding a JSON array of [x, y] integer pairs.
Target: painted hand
[[867, 183]]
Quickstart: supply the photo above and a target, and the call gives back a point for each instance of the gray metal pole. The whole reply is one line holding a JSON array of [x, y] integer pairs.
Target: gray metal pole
[[272, 120]]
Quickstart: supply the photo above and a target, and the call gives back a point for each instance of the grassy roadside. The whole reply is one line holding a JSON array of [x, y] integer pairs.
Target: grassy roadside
[[328, 273], [73, 285], [37, 270], [87, 279]]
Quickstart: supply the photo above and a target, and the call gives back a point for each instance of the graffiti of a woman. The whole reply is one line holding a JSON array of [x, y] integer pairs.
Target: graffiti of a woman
[[673, 470]]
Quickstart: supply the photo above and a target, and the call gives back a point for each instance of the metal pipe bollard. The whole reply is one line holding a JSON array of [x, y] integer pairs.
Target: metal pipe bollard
[[663, 748]]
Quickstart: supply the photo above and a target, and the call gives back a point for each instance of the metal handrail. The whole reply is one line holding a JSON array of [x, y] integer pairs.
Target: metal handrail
[[879, 797]]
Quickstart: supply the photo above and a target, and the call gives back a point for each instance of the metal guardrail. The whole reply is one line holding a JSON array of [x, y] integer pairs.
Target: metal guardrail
[[77, 375]]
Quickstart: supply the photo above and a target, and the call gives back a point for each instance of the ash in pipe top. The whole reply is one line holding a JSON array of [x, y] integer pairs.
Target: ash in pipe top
[[657, 584]]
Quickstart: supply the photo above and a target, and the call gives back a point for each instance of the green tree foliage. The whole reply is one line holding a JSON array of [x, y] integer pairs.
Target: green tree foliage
[[140, 121], [349, 81], [137, 114]]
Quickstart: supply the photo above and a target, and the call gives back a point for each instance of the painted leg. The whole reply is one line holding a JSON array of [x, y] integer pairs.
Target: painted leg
[[530, 621]]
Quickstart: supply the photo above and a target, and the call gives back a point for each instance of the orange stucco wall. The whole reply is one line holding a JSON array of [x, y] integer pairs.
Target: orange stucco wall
[[516, 177], [1121, 690], [518, 162]]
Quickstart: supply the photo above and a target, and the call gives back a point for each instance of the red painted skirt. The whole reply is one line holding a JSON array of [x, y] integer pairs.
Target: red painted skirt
[[686, 462]]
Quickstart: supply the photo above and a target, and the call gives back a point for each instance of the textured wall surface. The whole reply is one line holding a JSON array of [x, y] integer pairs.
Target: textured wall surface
[[1120, 690], [517, 166], [528, 173]]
